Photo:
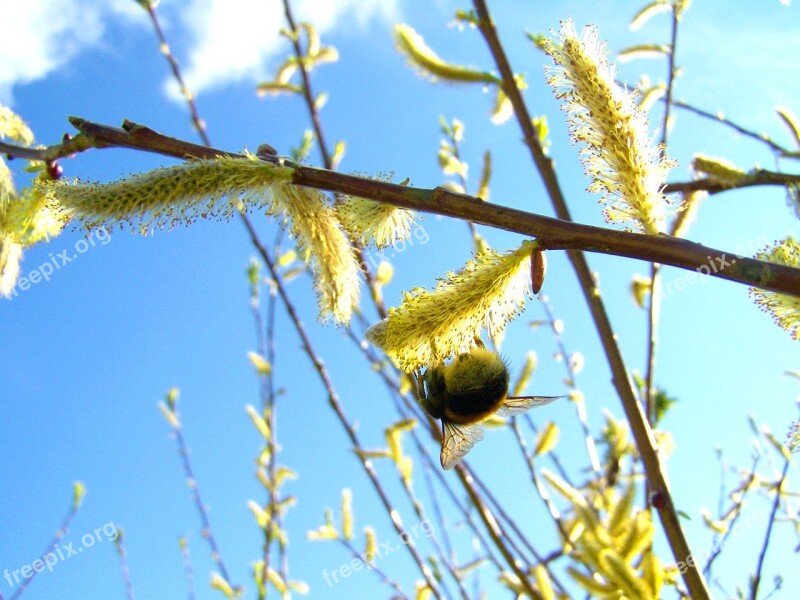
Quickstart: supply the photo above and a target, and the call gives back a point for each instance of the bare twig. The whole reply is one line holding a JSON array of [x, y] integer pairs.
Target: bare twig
[[756, 580], [720, 118], [208, 533], [188, 570], [307, 92], [579, 402], [654, 306], [123, 559], [494, 529], [197, 121], [60, 533]]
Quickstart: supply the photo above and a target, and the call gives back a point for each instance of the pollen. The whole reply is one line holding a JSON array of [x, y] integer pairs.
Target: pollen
[[625, 167]]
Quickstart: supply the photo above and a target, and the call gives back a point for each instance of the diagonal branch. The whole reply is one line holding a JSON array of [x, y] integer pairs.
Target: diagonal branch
[[553, 234], [621, 380]]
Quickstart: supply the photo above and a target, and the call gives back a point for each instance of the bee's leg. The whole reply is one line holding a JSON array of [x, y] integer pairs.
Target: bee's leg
[[420, 386], [429, 392]]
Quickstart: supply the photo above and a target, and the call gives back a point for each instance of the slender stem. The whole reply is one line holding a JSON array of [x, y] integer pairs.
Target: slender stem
[[543, 494], [495, 532], [60, 533], [736, 509], [671, 72], [197, 121], [327, 158], [579, 402], [265, 336], [654, 307], [463, 180], [621, 380], [756, 580], [208, 533], [653, 312], [188, 570], [307, 93], [720, 118], [123, 560], [374, 568]]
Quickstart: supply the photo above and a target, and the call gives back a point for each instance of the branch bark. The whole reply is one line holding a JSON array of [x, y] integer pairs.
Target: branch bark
[[552, 234], [643, 435]]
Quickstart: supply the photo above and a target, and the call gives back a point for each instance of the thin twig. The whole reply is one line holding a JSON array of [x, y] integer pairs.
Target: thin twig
[[327, 158], [537, 484], [265, 335], [307, 92], [188, 570], [123, 560], [207, 532], [495, 531], [720, 118], [720, 541], [579, 402], [373, 567], [197, 121], [60, 533], [756, 580], [654, 306], [200, 127]]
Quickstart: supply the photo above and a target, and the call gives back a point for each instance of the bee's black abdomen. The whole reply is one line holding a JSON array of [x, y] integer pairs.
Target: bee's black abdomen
[[475, 406], [476, 386]]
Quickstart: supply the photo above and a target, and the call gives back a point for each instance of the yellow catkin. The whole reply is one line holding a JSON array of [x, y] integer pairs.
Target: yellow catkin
[[430, 326], [377, 223], [784, 308], [625, 167], [217, 189]]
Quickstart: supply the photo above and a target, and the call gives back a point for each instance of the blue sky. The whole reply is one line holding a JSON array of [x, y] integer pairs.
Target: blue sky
[[87, 355]]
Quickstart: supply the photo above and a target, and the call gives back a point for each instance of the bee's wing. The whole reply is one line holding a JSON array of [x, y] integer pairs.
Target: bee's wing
[[515, 405], [457, 440]]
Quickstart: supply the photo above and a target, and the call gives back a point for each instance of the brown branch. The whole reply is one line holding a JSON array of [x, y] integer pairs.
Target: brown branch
[[754, 178], [642, 433], [553, 234], [720, 118]]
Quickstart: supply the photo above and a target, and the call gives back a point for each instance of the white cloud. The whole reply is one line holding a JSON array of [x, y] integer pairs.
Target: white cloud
[[238, 40], [39, 37], [228, 40], [42, 36]]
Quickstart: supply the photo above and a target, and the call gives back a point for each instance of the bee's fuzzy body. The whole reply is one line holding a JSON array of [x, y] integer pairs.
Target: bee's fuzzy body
[[466, 392]]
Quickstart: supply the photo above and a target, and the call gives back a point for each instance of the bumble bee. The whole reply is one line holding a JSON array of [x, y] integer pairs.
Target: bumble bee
[[465, 393]]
